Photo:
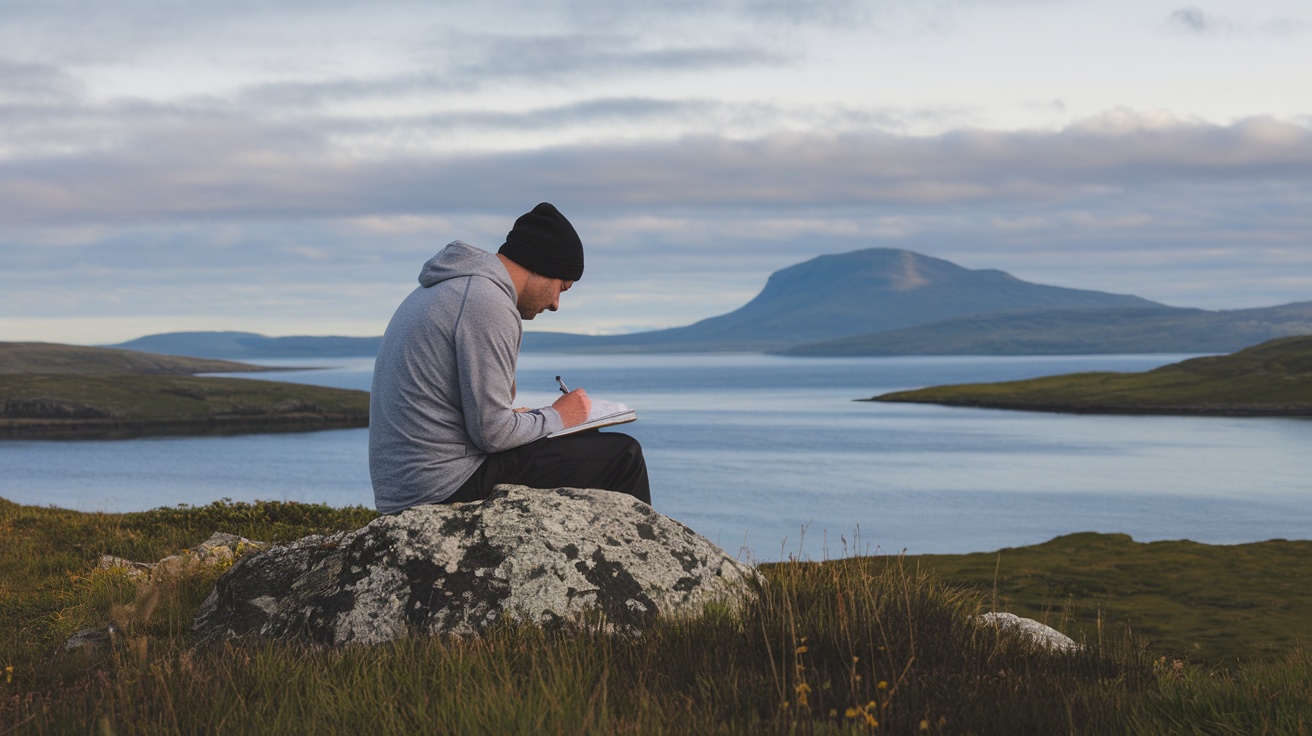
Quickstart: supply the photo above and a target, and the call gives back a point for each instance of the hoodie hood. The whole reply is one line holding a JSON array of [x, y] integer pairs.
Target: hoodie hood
[[460, 259]]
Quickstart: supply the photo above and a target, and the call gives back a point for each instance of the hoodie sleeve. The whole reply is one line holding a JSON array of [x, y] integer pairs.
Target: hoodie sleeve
[[487, 340]]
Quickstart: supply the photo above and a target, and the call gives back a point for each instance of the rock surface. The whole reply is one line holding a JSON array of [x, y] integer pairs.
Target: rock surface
[[1040, 635], [539, 556]]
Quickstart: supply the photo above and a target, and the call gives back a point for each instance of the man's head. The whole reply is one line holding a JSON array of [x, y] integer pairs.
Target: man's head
[[544, 242], [547, 248]]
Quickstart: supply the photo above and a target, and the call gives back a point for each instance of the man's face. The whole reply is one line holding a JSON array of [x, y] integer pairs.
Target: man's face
[[540, 294]]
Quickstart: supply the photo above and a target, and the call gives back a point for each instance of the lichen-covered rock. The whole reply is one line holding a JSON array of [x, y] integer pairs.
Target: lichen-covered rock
[[539, 556], [1040, 635]]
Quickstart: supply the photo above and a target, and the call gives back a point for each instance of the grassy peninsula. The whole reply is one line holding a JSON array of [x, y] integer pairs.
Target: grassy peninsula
[[1271, 379], [866, 645], [50, 391]]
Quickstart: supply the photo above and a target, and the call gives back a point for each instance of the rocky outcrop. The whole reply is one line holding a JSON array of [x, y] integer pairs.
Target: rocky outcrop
[[220, 549], [538, 556], [1039, 635]]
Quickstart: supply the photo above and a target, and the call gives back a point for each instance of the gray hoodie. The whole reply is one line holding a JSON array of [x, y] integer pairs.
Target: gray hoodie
[[444, 381]]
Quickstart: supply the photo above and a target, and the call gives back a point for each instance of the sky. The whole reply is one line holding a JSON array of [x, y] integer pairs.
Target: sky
[[286, 167]]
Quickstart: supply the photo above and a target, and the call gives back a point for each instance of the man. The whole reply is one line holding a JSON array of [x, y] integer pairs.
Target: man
[[442, 425]]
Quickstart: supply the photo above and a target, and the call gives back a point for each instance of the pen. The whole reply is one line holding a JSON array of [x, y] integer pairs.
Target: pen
[[563, 388]]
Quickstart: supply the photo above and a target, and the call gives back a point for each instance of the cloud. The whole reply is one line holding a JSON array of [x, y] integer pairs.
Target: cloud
[[832, 13], [1282, 27], [279, 208], [500, 36], [247, 169], [566, 56], [1191, 20], [27, 82], [469, 64]]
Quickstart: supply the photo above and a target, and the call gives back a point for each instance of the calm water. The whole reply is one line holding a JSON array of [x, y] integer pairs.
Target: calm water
[[772, 455]]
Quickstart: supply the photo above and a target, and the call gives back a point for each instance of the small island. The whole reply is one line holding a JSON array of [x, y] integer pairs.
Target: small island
[[1273, 379], [52, 391]]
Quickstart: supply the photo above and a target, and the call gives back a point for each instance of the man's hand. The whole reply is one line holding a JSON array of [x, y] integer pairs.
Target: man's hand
[[573, 407]]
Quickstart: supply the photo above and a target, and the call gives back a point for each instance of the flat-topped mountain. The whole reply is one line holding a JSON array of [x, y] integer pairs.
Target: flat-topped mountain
[[847, 294], [883, 289]]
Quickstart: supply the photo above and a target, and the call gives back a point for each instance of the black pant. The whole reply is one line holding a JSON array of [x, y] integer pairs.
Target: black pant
[[610, 461]]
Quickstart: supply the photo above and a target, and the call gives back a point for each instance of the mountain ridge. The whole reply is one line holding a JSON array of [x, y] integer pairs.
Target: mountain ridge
[[1078, 332], [252, 346], [873, 301], [845, 294]]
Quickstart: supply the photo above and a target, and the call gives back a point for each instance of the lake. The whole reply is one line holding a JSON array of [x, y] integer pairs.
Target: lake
[[772, 457]]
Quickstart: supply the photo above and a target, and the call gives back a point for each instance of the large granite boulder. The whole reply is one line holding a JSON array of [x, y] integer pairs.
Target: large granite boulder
[[540, 556]]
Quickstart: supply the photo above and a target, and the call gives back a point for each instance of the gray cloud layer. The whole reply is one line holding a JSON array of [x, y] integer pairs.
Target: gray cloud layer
[[542, 60], [203, 198], [1194, 21], [173, 165], [275, 176]]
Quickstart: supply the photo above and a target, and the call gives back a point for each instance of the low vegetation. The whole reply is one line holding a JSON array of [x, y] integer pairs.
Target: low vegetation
[[854, 646], [66, 391], [1271, 379], [1218, 605]]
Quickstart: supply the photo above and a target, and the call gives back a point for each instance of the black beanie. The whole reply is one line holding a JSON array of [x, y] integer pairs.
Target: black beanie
[[545, 243]]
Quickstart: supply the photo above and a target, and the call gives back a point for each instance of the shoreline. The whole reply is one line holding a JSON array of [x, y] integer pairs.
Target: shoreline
[[1249, 412], [116, 428]]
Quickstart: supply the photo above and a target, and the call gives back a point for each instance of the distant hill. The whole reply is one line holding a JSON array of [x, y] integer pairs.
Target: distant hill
[[847, 294], [54, 358], [1271, 379], [251, 346], [50, 391], [1080, 332]]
